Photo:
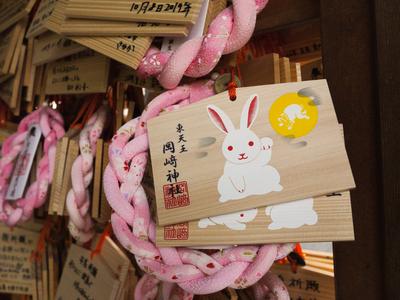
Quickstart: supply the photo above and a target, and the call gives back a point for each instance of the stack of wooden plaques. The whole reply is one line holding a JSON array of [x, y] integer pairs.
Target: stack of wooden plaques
[[12, 64], [143, 18], [271, 69]]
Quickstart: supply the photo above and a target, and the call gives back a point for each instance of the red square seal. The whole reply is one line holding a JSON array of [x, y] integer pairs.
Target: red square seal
[[176, 232], [176, 195]]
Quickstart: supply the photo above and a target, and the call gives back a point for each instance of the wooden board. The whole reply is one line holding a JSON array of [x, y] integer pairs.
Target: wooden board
[[105, 209], [13, 11], [127, 50], [16, 271], [10, 89], [72, 154], [83, 275], [158, 11], [56, 185], [42, 13], [83, 73], [83, 27], [16, 98], [50, 47], [328, 219], [295, 72], [17, 50], [97, 179], [284, 67], [313, 164], [307, 283], [27, 79], [9, 41], [260, 71]]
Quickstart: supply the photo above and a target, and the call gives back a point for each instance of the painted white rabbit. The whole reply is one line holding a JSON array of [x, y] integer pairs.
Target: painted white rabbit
[[292, 214], [246, 170], [234, 221], [291, 114]]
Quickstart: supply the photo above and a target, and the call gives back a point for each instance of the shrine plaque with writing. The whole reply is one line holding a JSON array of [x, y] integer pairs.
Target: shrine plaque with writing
[[307, 283], [43, 12], [326, 218], [50, 47], [156, 11], [274, 144], [86, 278], [128, 50], [17, 274], [82, 73]]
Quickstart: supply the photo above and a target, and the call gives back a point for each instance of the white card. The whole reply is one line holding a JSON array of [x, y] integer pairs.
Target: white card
[[23, 164]]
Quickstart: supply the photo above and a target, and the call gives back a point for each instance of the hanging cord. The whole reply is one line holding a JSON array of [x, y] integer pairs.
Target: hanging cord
[[89, 107], [44, 235], [295, 258], [99, 246], [232, 86]]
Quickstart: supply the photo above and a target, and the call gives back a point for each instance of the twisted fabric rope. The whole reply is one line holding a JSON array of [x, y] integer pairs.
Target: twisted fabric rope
[[78, 198], [228, 32], [52, 127], [194, 271], [270, 287]]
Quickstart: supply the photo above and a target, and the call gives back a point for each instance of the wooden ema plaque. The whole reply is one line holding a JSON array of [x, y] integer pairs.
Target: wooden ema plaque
[[17, 274], [274, 144], [84, 27], [50, 47], [127, 50], [13, 11], [82, 73], [326, 218], [308, 283], [156, 11], [44, 11], [7, 48], [86, 278]]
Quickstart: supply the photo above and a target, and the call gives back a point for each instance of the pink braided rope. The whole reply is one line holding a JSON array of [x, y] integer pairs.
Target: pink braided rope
[[228, 32], [270, 287], [195, 272], [78, 198], [51, 124]]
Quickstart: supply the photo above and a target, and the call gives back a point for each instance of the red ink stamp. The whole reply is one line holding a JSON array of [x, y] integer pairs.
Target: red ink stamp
[[176, 232], [176, 195]]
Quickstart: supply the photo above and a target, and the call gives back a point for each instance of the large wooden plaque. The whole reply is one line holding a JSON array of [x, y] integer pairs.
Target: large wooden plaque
[[156, 11], [326, 218], [274, 144]]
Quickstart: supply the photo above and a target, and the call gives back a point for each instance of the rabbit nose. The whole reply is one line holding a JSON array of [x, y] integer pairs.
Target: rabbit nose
[[242, 154]]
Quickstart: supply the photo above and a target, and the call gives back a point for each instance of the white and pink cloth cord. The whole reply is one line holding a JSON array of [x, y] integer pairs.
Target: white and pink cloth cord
[[193, 271], [78, 198], [183, 272], [228, 32], [52, 128]]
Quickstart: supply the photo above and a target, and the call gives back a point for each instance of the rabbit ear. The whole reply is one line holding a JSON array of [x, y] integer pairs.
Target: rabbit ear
[[220, 119], [249, 113]]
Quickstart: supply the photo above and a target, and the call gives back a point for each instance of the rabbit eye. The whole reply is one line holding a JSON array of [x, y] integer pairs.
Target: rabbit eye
[[230, 148], [241, 215], [251, 143]]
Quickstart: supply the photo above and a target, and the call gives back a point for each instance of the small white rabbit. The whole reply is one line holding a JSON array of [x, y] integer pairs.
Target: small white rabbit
[[246, 170], [291, 114], [292, 214], [234, 221]]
